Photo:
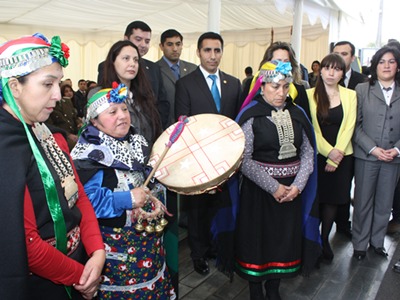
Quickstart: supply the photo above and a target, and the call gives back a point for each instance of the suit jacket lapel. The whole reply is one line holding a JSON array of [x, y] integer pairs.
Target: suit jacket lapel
[[224, 88], [167, 70], [182, 68], [203, 86], [377, 92], [396, 93]]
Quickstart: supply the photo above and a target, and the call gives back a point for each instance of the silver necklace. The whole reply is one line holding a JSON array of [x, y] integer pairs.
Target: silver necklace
[[59, 162], [284, 126]]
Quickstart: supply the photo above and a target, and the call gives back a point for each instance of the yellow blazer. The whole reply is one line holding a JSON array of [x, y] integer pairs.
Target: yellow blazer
[[348, 99]]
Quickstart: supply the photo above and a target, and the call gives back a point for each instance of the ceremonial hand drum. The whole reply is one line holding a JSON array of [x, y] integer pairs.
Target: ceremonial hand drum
[[208, 152]]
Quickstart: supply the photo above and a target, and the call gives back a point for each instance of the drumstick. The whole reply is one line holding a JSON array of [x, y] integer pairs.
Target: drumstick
[[176, 133]]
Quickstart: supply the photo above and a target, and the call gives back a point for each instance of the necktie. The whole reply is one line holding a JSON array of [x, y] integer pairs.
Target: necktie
[[215, 92], [175, 71], [387, 94]]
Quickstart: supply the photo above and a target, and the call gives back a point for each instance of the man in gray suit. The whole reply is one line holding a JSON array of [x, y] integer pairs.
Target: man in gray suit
[[171, 66], [206, 90]]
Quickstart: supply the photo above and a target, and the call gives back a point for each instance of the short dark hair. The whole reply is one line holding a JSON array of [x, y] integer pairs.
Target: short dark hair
[[342, 43], [209, 35], [136, 25], [315, 62], [80, 80], [394, 43], [248, 70], [64, 87], [377, 57], [169, 34]]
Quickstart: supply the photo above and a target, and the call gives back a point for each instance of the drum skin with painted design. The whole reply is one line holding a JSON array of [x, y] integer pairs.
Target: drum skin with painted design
[[208, 152]]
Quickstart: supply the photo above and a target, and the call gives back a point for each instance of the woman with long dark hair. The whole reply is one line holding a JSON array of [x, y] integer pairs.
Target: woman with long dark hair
[[333, 111], [123, 65]]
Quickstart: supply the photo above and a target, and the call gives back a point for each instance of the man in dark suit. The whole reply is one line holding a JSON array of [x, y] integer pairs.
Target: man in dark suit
[[139, 33], [80, 98], [347, 51], [194, 96], [171, 66]]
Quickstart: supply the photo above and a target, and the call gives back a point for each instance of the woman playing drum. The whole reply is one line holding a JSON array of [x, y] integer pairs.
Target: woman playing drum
[[110, 158]]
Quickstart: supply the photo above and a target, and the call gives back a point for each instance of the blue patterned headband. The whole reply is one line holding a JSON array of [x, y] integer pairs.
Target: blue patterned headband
[[274, 71]]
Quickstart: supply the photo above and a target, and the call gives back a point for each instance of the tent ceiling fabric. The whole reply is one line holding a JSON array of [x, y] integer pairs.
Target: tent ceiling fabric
[[91, 27], [105, 16]]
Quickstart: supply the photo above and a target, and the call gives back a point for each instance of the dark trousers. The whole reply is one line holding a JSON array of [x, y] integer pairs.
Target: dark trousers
[[171, 240], [396, 204], [342, 219], [200, 211]]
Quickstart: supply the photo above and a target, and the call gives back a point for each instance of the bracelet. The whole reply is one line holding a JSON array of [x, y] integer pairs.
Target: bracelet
[[133, 200]]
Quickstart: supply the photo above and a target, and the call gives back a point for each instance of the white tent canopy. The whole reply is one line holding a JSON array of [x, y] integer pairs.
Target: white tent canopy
[[247, 26]]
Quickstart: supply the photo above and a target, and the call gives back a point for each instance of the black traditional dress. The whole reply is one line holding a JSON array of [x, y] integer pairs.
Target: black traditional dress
[[271, 237]]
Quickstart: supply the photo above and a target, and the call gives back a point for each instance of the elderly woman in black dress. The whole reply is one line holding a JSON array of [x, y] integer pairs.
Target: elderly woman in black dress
[[275, 225]]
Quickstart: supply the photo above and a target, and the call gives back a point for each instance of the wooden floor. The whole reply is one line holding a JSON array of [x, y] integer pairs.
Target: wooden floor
[[345, 278]]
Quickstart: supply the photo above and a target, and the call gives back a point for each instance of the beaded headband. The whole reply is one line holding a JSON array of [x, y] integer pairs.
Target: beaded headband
[[275, 70], [21, 57], [101, 100], [25, 55]]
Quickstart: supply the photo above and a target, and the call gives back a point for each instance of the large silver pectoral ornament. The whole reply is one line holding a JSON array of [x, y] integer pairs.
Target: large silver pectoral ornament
[[284, 127], [287, 150], [70, 190]]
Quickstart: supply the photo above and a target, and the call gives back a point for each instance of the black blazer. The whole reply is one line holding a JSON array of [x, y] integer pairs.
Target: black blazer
[[302, 99], [193, 95], [80, 103], [355, 79], [153, 73]]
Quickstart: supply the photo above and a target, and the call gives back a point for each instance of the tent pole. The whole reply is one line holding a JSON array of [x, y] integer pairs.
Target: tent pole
[[214, 15], [378, 42], [297, 27]]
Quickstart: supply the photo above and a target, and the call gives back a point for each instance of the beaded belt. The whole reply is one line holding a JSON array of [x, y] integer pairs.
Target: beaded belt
[[73, 240], [280, 170]]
